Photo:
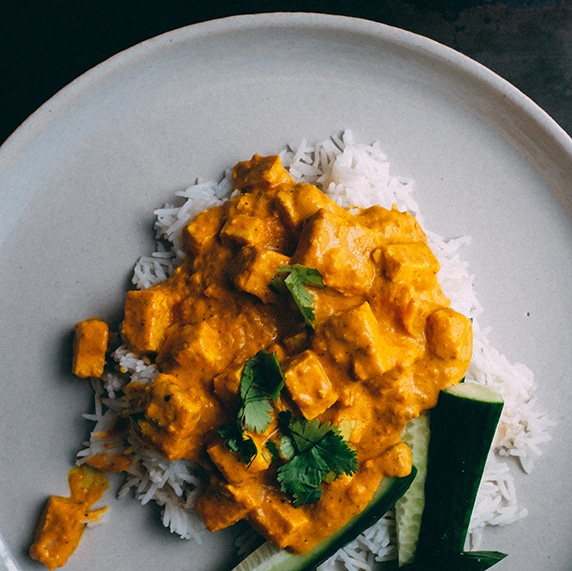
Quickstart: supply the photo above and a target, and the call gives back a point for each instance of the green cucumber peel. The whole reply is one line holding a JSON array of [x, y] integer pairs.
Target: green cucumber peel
[[464, 561], [462, 425], [268, 557], [461, 431]]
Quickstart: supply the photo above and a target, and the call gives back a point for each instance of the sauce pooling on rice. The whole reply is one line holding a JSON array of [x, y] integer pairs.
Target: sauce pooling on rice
[[370, 347]]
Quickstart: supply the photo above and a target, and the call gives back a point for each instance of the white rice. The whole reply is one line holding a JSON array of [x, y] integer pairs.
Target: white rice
[[353, 174]]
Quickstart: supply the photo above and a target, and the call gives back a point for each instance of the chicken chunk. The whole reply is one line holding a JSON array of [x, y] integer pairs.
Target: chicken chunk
[[199, 348], [392, 225], [63, 520], [355, 338], [245, 230], [409, 262], [218, 507], [169, 417], [91, 338], [147, 318], [260, 172], [301, 202], [198, 235], [449, 334], [232, 467], [255, 269], [339, 251], [309, 385]]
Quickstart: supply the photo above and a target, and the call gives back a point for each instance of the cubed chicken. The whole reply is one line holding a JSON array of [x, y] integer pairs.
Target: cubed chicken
[[230, 465], [169, 417], [198, 235], [218, 507], [309, 385], [352, 417], [302, 201], [245, 230], [298, 342], [413, 313], [410, 262], [355, 338], [280, 520], [260, 172], [62, 522], [227, 385], [197, 347], [449, 334], [254, 270], [91, 338], [146, 320], [340, 252], [392, 224]]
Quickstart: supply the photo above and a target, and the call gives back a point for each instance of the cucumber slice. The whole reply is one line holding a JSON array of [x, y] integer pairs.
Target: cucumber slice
[[268, 557], [409, 508], [466, 561], [463, 426]]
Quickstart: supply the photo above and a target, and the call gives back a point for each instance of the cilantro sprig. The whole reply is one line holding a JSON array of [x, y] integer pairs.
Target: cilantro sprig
[[294, 278], [315, 453], [238, 442], [311, 452], [260, 384]]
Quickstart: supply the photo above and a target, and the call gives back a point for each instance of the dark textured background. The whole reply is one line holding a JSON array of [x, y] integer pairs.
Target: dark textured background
[[46, 44]]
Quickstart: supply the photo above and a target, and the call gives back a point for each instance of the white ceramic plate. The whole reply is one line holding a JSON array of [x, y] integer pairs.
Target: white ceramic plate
[[80, 178]]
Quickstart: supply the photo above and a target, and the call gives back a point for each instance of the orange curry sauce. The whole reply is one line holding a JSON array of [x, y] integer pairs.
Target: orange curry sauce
[[384, 343], [62, 522]]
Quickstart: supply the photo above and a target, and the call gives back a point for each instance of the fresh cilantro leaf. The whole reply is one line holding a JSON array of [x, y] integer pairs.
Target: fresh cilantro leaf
[[287, 449], [238, 442], [307, 496], [342, 458], [255, 414], [296, 280], [261, 381], [306, 433], [293, 482], [273, 449], [262, 372], [285, 417], [315, 453]]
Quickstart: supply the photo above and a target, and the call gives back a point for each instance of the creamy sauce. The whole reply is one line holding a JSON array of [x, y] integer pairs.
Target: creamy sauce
[[383, 344], [61, 524], [385, 341]]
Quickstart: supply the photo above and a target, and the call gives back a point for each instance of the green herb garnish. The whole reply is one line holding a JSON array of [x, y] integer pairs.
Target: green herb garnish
[[315, 453], [295, 282], [260, 383], [238, 442]]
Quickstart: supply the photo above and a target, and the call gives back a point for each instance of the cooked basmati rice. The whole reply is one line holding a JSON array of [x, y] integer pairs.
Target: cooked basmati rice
[[354, 175]]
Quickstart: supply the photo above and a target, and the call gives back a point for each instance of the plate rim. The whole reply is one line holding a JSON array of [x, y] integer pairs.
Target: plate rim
[[48, 112], [400, 37]]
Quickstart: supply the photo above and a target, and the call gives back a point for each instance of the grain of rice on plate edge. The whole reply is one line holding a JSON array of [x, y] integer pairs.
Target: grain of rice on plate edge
[[352, 174]]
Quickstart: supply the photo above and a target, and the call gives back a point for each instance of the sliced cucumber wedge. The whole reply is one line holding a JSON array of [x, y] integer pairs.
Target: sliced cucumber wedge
[[409, 508], [463, 426], [268, 557], [466, 561]]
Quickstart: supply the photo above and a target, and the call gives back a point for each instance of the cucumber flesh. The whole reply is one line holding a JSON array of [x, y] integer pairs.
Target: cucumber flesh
[[268, 557], [409, 508], [463, 425]]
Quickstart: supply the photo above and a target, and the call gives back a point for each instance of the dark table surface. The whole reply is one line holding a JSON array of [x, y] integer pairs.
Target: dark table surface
[[45, 44]]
